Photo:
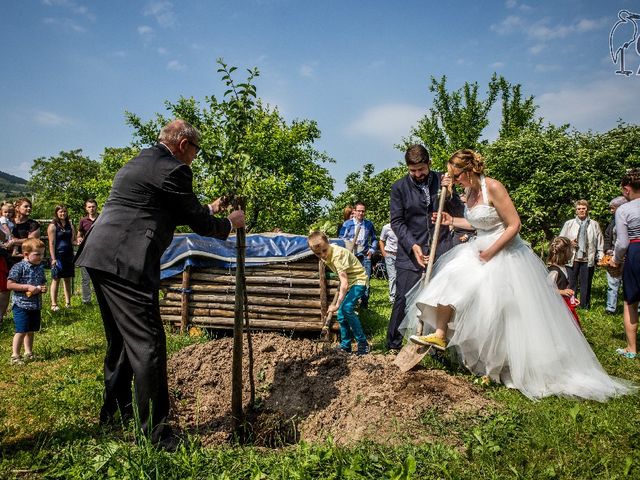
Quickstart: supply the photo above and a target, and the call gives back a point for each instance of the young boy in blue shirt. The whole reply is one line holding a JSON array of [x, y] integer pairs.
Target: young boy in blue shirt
[[27, 280], [353, 283]]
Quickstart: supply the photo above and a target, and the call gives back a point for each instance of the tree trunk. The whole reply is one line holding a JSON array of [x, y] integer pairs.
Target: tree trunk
[[236, 364]]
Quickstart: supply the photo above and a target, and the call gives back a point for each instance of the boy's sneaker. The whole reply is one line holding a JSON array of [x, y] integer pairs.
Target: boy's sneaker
[[363, 349], [429, 341], [16, 361], [342, 351], [28, 357]]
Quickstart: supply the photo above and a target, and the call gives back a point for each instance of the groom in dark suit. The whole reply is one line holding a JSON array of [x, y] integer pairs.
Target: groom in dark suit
[[414, 198], [150, 196]]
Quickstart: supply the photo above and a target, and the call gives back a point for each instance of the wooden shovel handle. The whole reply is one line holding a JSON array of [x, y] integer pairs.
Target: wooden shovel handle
[[329, 317], [436, 233], [434, 246]]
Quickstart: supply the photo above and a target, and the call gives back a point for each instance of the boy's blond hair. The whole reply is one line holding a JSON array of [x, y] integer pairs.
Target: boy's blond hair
[[317, 234], [32, 244]]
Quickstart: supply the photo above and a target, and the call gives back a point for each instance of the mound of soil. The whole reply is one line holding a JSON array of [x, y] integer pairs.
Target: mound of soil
[[305, 392]]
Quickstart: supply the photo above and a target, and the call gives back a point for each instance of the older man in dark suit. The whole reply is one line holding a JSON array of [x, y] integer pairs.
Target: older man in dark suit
[[150, 196], [413, 200]]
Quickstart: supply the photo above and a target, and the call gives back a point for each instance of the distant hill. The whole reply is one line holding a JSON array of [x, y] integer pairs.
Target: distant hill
[[12, 186]]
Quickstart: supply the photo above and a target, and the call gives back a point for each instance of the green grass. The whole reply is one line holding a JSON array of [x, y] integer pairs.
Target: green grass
[[48, 421]]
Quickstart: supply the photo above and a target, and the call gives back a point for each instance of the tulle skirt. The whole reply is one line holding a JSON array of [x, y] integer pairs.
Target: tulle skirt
[[509, 323]]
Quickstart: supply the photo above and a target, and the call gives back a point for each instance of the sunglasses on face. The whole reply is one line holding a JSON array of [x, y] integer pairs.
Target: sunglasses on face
[[194, 145], [456, 176]]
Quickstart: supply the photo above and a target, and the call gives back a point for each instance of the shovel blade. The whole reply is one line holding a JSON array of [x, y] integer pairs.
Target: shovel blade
[[410, 355]]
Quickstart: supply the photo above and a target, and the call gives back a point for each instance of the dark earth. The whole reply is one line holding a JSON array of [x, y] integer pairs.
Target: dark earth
[[306, 391]]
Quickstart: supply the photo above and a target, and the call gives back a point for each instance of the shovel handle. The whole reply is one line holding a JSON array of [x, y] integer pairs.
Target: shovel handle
[[327, 321], [436, 233], [434, 246]]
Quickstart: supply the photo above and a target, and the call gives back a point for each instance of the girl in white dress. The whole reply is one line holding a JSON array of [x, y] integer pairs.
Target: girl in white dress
[[489, 299]]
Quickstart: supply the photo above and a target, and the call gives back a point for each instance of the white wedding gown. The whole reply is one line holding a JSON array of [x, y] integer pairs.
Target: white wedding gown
[[509, 323]]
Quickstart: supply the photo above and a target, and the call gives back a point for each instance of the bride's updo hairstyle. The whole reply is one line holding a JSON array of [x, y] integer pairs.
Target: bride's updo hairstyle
[[468, 161]]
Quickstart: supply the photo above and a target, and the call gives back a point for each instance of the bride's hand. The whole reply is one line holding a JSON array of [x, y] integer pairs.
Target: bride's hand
[[446, 180], [446, 218], [486, 255]]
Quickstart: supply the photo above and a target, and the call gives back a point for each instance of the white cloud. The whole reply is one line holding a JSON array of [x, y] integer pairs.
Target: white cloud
[[145, 30], [536, 49], [175, 65], [509, 25], [72, 6], [544, 68], [497, 65], [65, 24], [513, 4], [543, 30], [162, 51], [587, 25], [308, 70], [387, 123], [49, 119], [162, 12], [23, 170], [597, 105]]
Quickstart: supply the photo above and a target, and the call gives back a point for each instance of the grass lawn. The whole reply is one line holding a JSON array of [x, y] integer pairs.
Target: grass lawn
[[49, 410]]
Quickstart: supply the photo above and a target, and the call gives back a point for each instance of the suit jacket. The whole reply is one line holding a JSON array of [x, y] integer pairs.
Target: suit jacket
[[411, 217], [348, 231], [150, 196]]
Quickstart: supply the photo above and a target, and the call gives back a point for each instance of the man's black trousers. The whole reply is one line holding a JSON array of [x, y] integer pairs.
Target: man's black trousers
[[136, 349], [405, 280], [581, 273]]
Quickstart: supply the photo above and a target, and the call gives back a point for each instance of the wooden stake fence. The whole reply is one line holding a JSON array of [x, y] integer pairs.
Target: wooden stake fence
[[280, 296]]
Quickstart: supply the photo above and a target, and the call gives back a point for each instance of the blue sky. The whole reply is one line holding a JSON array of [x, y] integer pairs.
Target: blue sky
[[360, 69]]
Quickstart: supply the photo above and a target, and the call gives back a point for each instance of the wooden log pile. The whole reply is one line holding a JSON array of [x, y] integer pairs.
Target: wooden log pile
[[281, 296]]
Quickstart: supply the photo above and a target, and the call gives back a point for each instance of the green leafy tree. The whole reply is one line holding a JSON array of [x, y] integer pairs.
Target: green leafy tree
[[456, 119], [284, 181], [546, 170], [61, 179], [112, 160], [518, 113]]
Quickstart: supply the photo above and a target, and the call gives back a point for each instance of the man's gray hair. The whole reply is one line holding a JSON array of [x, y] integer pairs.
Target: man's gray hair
[[178, 129], [616, 202]]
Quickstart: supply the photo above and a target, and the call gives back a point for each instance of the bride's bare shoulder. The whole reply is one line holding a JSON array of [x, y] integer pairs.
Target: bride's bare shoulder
[[494, 185]]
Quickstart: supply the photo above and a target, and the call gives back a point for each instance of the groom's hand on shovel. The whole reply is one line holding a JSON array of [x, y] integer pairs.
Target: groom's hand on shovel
[[421, 258]]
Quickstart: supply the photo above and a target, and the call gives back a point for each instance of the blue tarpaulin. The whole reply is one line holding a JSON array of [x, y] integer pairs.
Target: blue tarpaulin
[[262, 249]]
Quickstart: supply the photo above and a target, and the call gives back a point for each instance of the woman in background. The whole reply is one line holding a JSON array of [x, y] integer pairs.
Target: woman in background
[[61, 234], [627, 251], [24, 227], [589, 249]]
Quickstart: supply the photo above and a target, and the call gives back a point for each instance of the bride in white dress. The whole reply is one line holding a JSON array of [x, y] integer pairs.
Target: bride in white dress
[[490, 300]]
